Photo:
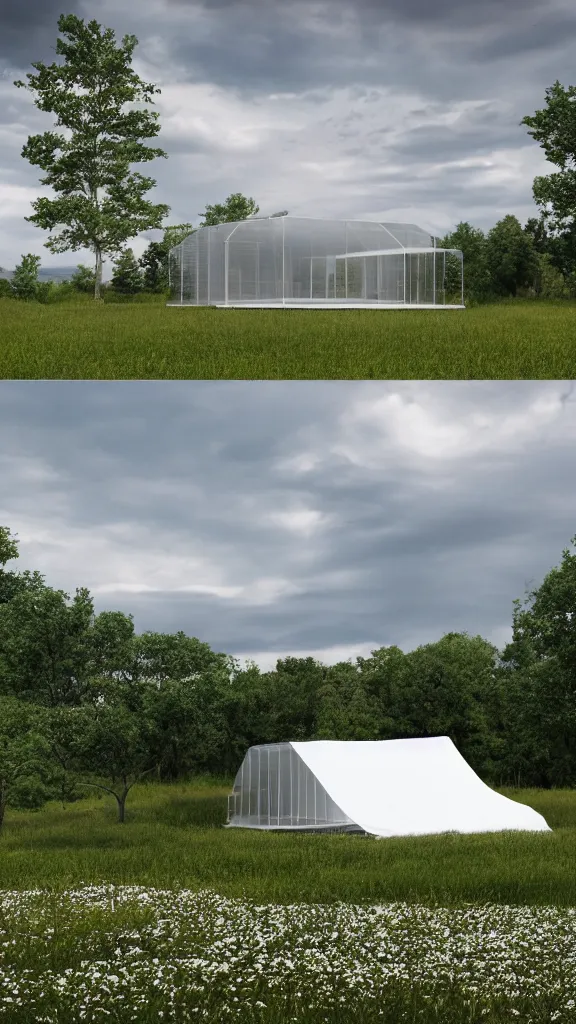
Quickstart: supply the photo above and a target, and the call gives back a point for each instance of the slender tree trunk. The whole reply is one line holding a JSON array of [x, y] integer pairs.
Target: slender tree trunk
[[98, 280], [122, 803]]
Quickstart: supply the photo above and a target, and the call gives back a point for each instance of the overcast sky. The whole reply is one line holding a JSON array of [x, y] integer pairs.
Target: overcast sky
[[398, 109], [291, 518]]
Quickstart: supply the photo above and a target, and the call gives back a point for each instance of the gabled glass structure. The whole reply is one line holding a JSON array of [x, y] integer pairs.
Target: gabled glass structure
[[275, 789], [305, 262]]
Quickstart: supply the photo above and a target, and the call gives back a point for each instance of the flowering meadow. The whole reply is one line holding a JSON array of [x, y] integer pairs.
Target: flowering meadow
[[82, 940]]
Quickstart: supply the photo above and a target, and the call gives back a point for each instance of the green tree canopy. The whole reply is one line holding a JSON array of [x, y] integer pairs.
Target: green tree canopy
[[24, 757], [104, 745], [44, 651], [542, 656], [12, 583], [512, 260], [127, 278], [236, 207], [472, 243]]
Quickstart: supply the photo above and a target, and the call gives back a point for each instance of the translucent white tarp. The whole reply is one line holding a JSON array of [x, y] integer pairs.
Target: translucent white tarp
[[308, 262], [383, 787]]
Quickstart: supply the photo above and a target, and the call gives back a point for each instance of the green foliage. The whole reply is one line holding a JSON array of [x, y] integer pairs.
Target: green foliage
[[511, 256], [24, 282], [543, 655], [47, 291], [538, 231], [24, 757], [347, 710], [5, 289], [472, 243], [8, 546], [91, 161], [12, 583], [176, 233], [113, 705], [562, 249], [555, 129], [106, 741], [84, 279], [43, 645], [236, 207], [154, 262], [452, 283], [550, 282], [127, 278]]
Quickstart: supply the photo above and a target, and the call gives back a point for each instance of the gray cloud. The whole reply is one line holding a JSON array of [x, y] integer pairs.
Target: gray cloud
[[379, 110], [292, 517]]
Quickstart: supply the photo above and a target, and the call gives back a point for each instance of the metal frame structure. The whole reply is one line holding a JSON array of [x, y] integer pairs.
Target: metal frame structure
[[310, 263], [274, 789]]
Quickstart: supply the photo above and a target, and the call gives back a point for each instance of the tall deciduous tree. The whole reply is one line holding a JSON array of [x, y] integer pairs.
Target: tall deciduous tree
[[555, 129], [104, 143]]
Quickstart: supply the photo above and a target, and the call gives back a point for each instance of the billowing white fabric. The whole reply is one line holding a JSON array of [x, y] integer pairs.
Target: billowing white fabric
[[412, 787]]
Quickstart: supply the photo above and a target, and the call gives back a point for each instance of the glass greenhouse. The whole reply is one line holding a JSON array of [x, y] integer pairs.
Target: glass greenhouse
[[309, 263], [275, 788]]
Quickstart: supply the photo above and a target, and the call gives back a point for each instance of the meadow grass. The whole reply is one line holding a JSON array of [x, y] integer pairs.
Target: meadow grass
[[170, 917], [519, 339]]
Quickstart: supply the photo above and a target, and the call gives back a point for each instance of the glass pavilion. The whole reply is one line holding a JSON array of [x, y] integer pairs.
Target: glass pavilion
[[305, 262]]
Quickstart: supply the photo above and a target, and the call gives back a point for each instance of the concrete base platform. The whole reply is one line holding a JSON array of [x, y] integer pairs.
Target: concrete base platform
[[311, 305]]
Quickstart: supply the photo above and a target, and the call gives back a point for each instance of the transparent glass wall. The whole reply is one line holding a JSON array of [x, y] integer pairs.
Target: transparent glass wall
[[304, 260], [275, 789]]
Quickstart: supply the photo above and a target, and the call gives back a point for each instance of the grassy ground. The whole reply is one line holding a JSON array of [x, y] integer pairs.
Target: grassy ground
[[171, 917], [522, 339]]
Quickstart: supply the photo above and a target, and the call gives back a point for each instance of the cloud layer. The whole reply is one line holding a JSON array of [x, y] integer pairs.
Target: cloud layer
[[273, 518], [398, 109]]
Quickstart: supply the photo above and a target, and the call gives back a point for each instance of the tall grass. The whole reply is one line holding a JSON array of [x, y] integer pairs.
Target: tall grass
[[170, 917], [520, 339], [174, 835]]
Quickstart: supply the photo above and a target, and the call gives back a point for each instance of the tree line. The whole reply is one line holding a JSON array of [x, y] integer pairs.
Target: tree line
[[85, 702], [101, 201]]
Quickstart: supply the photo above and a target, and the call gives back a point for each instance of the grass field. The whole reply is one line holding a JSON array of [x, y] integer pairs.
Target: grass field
[[520, 339], [172, 918]]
